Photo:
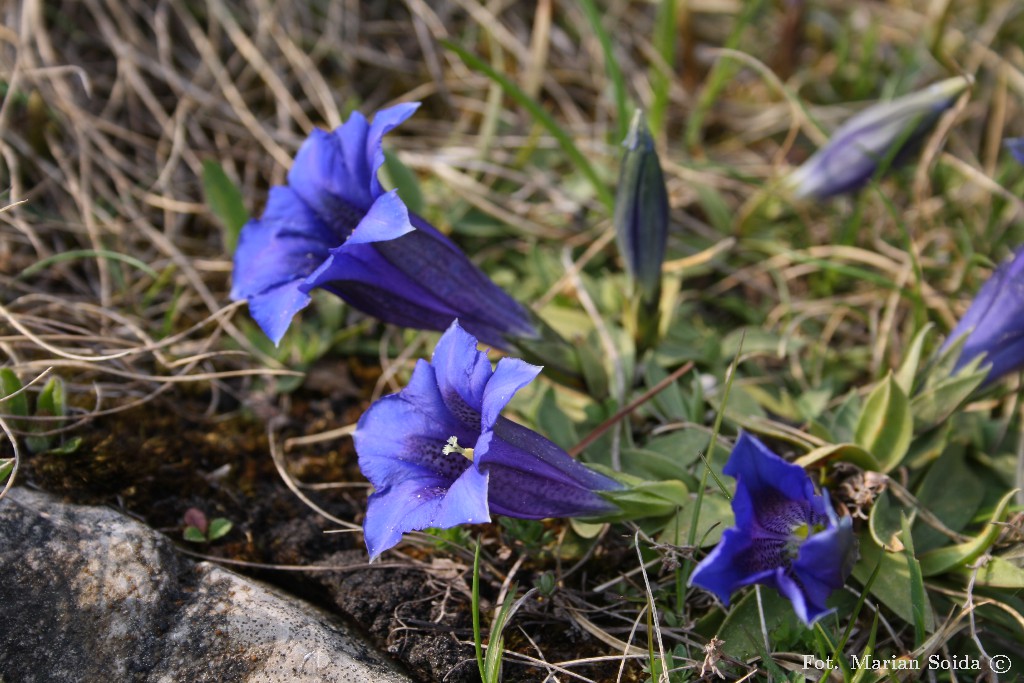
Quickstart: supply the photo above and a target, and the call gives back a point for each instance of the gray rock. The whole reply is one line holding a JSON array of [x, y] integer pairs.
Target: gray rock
[[88, 594]]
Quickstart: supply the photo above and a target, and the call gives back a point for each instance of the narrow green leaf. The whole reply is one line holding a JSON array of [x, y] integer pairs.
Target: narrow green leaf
[[611, 65], [844, 452], [475, 600], [542, 117], [936, 403], [908, 371], [918, 600], [74, 254], [401, 178], [6, 467], [944, 559], [51, 401], [68, 447], [892, 585], [886, 424], [225, 201], [997, 573], [663, 73], [9, 384]]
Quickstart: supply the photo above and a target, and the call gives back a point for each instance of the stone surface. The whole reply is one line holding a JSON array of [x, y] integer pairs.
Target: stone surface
[[89, 594]]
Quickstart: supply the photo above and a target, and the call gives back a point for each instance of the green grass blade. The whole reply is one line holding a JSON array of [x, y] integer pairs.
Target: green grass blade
[[661, 74], [541, 116], [719, 76], [73, 254], [917, 596], [611, 65], [225, 201], [477, 642]]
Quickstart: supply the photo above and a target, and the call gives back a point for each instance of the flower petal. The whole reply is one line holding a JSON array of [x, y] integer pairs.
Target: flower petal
[[322, 175], [728, 567], [383, 121], [274, 308], [420, 503], [463, 373], [404, 434], [824, 562], [509, 376], [766, 478], [286, 244]]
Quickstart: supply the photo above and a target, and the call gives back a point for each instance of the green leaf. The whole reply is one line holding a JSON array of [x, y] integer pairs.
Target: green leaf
[[892, 585], [399, 177], [225, 201], [936, 403], [944, 559], [741, 629], [219, 526], [918, 599], [648, 499], [886, 424], [908, 371], [845, 452], [68, 447], [884, 522], [654, 466], [9, 384], [553, 422], [715, 517], [997, 573], [6, 467], [955, 511], [844, 422], [670, 399], [51, 400], [595, 375], [194, 535]]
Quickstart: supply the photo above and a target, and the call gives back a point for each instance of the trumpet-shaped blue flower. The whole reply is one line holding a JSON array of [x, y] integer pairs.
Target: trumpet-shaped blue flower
[[786, 536], [333, 227], [439, 454], [852, 155], [994, 322]]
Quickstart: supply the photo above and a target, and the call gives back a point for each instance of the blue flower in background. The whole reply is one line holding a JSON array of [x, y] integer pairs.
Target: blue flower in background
[[852, 155], [1016, 147], [439, 454], [994, 322], [333, 227], [786, 536]]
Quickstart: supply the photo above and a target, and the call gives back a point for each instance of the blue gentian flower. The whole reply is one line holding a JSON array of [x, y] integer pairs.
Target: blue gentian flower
[[994, 322], [852, 155], [333, 227], [786, 536], [439, 454], [641, 209]]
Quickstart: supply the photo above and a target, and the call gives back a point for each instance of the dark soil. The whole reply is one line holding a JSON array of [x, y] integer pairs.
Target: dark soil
[[157, 461]]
